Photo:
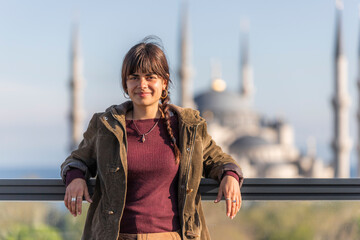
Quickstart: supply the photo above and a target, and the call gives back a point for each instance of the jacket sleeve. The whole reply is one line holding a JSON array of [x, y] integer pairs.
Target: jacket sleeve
[[84, 157], [215, 161]]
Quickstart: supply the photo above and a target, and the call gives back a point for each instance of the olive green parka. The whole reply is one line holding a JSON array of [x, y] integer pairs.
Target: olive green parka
[[102, 153]]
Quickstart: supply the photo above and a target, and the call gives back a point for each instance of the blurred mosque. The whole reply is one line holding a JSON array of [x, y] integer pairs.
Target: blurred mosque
[[263, 147]]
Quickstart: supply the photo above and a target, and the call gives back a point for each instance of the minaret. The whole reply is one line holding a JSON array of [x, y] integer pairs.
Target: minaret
[[341, 101], [76, 115], [358, 113], [185, 71], [247, 85]]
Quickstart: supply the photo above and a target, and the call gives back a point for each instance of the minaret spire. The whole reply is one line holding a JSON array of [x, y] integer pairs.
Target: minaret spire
[[76, 115], [341, 101], [247, 85], [358, 112], [185, 71], [338, 38]]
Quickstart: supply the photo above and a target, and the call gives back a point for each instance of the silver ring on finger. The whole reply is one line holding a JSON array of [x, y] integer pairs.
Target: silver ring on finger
[[227, 199], [73, 199], [233, 201]]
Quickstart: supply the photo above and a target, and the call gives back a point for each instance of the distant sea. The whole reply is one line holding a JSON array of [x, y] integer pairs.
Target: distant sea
[[30, 173]]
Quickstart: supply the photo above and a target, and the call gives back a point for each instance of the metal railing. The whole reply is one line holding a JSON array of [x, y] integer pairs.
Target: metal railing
[[252, 189]]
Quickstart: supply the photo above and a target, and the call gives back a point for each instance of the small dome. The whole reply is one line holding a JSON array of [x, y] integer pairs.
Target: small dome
[[218, 85], [247, 142]]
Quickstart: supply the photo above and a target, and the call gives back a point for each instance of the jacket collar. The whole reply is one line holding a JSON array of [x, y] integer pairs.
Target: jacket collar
[[187, 115]]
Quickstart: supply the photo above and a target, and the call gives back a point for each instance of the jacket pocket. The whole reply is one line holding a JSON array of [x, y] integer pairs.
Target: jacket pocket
[[99, 219], [193, 226]]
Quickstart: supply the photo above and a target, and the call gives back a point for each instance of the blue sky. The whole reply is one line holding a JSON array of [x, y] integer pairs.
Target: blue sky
[[291, 52]]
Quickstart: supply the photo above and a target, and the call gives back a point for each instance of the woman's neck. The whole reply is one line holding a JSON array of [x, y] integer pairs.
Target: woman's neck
[[143, 113]]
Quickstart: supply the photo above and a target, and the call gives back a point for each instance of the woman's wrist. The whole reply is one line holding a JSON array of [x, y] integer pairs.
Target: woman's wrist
[[72, 174], [231, 173]]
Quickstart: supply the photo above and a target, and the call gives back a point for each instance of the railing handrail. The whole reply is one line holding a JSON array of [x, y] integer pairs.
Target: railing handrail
[[252, 189]]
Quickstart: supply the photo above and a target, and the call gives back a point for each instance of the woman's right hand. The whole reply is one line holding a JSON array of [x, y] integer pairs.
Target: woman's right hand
[[74, 194]]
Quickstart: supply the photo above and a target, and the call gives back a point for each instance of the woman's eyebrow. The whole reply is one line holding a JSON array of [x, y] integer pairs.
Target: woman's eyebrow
[[149, 74]]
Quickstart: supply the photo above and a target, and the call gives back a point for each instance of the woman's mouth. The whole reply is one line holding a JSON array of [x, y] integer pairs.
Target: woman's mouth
[[144, 94]]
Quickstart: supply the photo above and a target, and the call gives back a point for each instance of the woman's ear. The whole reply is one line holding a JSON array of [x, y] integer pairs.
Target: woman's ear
[[165, 85]]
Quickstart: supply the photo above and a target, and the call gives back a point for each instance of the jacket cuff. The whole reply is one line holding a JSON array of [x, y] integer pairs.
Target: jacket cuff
[[233, 168], [74, 164], [72, 174], [231, 173]]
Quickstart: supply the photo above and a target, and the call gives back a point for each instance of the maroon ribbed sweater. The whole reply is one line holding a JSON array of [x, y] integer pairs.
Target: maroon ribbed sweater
[[151, 199]]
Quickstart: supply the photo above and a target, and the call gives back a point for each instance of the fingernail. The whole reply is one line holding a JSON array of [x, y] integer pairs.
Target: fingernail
[[228, 214], [79, 213]]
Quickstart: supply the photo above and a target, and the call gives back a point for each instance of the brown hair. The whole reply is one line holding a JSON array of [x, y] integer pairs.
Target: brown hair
[[149, 57]]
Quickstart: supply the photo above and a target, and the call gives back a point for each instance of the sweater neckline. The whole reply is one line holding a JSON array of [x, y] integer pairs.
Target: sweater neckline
[[143, 120]]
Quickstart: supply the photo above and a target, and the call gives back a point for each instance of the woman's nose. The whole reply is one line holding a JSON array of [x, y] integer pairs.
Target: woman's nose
[[143, 82]]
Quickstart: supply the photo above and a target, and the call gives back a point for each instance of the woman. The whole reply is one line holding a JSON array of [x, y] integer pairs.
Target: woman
[[148, 157]]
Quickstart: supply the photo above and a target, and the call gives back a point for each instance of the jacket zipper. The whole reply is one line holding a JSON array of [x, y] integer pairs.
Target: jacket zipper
[[187, 173], [124, 130]]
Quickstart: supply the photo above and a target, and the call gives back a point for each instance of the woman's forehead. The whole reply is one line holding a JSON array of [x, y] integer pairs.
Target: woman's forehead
[[140, 72]]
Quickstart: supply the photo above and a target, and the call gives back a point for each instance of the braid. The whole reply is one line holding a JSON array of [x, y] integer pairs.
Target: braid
[[166, 116]]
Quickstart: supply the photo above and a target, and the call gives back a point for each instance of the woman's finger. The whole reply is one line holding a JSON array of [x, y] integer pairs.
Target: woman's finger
[[228, 206], [66, 199], [237, 204], [69, 203], [240, 202], [72, 205], [87, 195], [233, 207], [220, 194], [79, 205]]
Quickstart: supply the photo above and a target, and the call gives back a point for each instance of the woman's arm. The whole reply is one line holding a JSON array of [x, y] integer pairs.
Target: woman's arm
[[84, 157], [82, 160], [216, 163]]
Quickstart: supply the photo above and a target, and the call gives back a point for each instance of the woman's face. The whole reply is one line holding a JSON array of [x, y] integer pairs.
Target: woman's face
[[145, 89]]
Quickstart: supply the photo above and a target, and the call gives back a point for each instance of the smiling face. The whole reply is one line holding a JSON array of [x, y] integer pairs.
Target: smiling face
[[145, 74], [145, 89]]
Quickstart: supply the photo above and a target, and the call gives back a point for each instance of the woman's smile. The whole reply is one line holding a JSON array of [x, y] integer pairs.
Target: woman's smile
[[144, 94], [145, 89]]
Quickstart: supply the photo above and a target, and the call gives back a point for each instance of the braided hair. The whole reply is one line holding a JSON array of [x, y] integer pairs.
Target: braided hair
[[149, 56]]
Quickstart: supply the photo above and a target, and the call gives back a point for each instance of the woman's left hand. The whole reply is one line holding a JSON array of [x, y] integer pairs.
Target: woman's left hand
[[230, 189]]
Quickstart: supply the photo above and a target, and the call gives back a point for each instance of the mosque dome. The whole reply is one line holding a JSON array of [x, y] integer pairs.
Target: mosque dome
[[227, 109], [247, 142], [259, 150], [219, 101]]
